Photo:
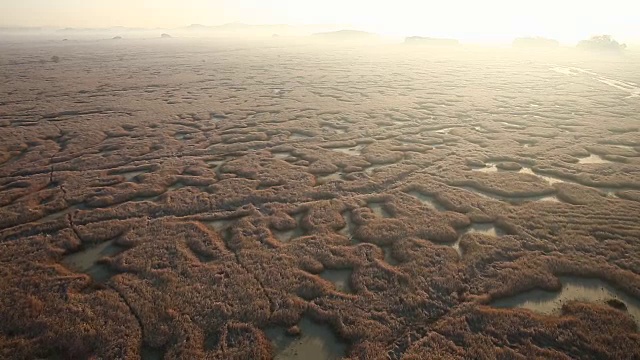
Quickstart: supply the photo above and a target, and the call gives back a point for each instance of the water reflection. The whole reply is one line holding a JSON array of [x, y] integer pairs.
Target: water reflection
[[340, 278], [573, 288], [86, 260], [315, 342]]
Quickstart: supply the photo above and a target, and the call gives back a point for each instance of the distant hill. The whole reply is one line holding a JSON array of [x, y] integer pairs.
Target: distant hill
[[231, 30], [345, 35], [535, 42], [70, 33], [100, 30], [236, 27], [23, 29], [196, 27], [419, 40], [240, 29]]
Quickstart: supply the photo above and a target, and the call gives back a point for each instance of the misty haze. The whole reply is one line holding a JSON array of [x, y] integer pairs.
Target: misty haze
[[339, 180]]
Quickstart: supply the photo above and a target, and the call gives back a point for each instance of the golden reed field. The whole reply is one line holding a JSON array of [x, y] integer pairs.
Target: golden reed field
[[184, 199]]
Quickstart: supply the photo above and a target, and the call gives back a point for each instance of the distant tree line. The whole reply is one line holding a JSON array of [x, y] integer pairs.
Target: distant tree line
[[601, 43]]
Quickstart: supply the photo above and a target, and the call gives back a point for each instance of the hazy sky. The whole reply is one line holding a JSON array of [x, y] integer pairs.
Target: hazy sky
[[566, 20]]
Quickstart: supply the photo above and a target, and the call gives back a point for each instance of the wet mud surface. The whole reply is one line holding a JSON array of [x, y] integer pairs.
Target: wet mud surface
[[168, 203]]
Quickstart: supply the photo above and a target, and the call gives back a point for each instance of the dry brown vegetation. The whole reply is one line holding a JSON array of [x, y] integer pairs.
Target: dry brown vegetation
[[232, 180]]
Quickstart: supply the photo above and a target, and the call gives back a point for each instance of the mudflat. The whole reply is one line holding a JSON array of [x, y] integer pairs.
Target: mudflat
[[183, 198]]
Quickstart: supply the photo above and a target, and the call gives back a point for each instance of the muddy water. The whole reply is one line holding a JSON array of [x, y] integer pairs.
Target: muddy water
[[485, 229], [514, 200], [551, 198], [378, 209], [149, 353], [593, 159], [563, 70], [286, 235], [552, 179], [130, 175], [58, 214], [429, 200], [573, 288], [609, 191], [86, 260], [282, 155], [216, 165], [371, 169], [181, 136], [219, 225], [340, 278], [176, 185], [634, 91], [316, 342], [298, 136], [627, 147], [488, 229], [513, 125], [321, 180], [354, 150], [445, 130], [388, 256], [631, 88], [349, 227], [492, 167]]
